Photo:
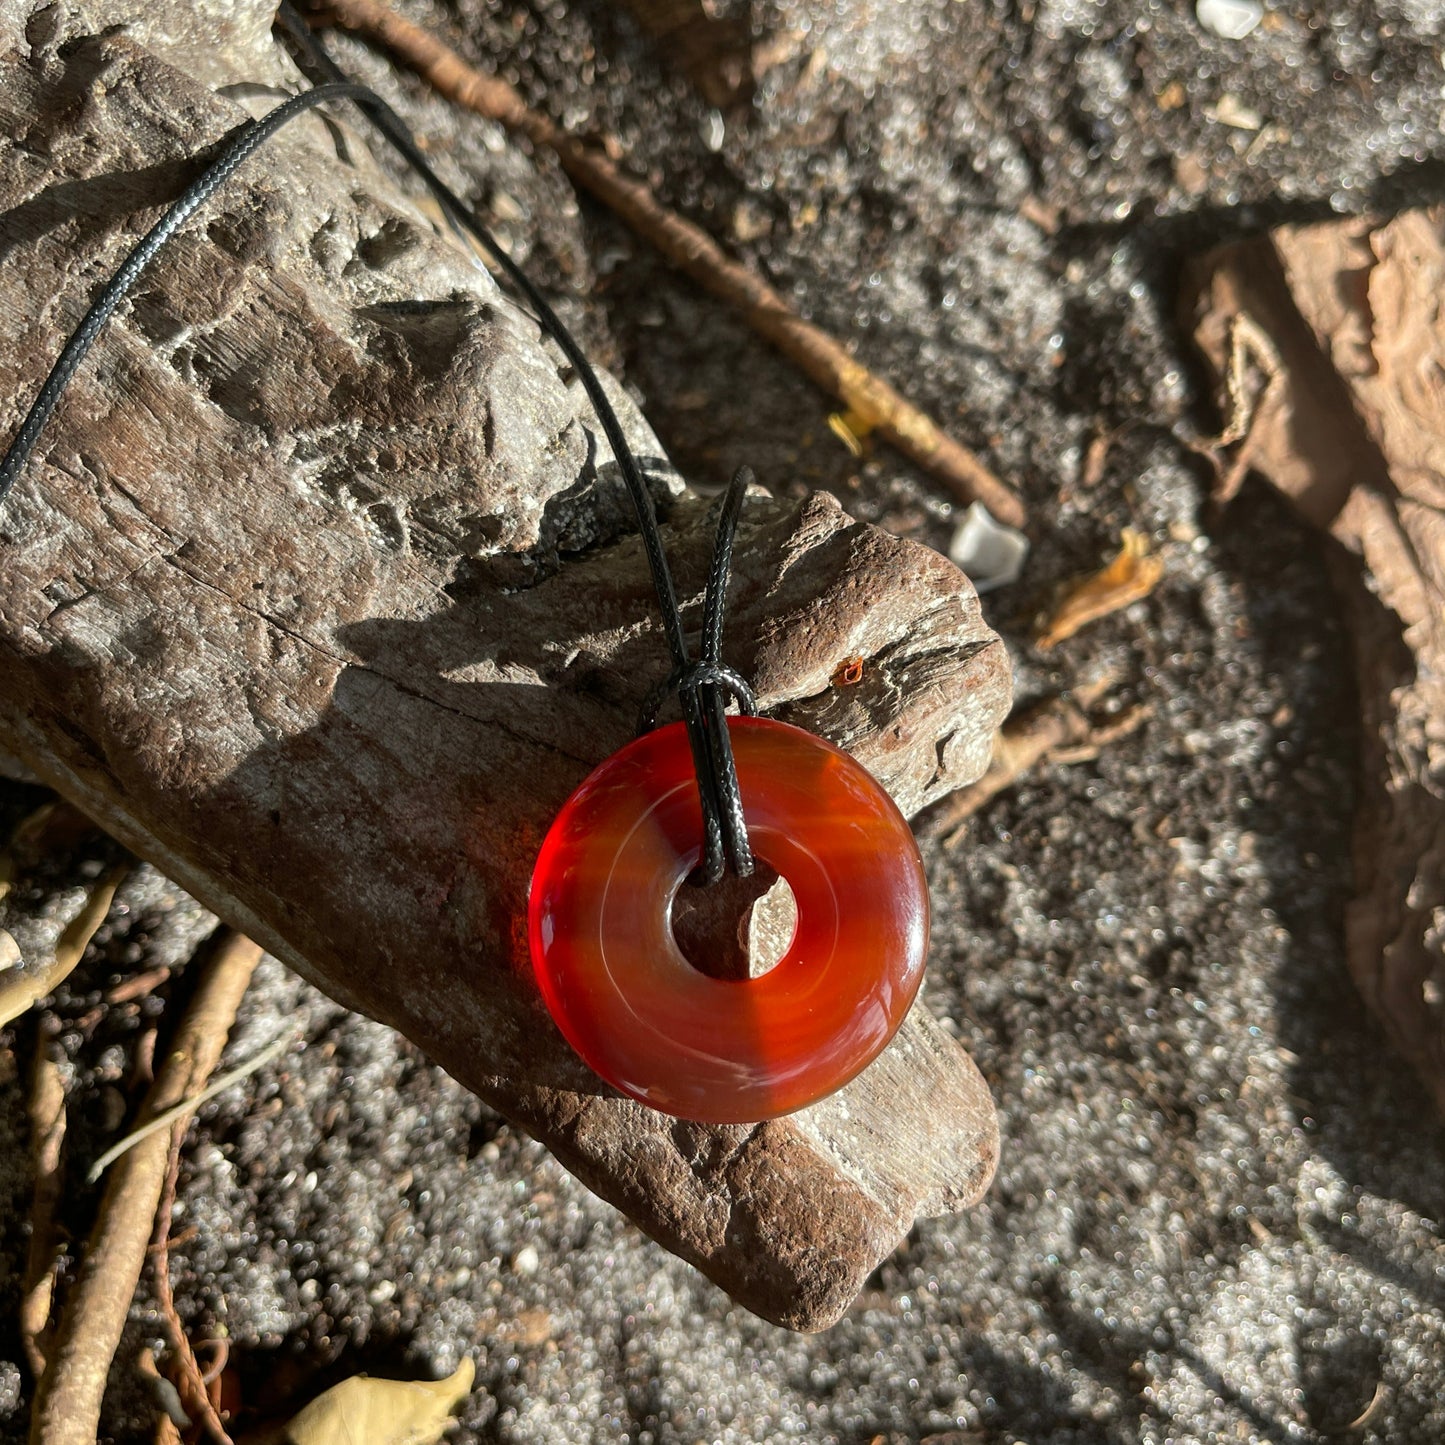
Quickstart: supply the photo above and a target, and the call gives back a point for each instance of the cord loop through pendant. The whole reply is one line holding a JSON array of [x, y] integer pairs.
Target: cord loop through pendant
[[701, 687]]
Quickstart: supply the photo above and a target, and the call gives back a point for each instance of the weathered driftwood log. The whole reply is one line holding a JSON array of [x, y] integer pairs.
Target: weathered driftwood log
[[318, 594], [1333, 337]]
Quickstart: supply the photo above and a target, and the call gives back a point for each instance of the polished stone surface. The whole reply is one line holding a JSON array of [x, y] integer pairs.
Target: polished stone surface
[[729, 1050]]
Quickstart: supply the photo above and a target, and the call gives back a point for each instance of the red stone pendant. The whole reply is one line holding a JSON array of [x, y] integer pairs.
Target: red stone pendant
[[714, 1050]]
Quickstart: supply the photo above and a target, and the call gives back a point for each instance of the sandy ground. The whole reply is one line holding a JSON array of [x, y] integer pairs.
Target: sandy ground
[[1219, 1211]]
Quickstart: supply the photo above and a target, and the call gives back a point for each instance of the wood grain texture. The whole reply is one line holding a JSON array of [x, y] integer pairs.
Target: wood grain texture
[[321, 593]]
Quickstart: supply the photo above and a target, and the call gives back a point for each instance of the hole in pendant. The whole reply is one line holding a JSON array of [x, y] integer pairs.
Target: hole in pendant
[[738, 928]]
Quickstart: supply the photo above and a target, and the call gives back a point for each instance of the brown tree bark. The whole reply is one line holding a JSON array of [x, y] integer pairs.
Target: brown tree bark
[[1335, 341], [320, 593]]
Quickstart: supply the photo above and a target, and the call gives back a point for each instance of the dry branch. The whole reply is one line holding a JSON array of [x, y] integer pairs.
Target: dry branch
[[69, 1395], [47, 1138], [688, 247], [339, 686], [1055, 730], [1346, 416]]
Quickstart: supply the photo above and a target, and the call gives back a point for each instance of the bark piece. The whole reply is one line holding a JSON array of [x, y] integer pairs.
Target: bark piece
[[1354, 433], [320, 593]]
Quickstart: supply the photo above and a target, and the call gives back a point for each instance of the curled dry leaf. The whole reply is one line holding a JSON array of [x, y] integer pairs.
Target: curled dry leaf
[[1131, 576], [363, 1411], [852, 428], [20, 988]]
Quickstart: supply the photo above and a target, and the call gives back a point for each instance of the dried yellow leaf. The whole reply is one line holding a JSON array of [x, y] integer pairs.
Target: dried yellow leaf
[[363, 1411], [19, 989], [851, 428], [1132, 575]]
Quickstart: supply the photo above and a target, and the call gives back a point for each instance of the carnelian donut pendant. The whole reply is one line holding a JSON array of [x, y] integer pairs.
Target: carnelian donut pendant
[[722, 1051]]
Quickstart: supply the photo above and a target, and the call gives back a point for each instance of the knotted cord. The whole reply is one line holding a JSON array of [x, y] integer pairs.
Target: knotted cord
[[702, 683]]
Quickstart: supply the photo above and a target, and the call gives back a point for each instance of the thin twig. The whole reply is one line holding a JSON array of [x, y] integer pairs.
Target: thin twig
[[195, 1398], [212, 1375], [187, 1106], [1057, 730], [54, 825], [47, 1135], [693, 251], [1128, 721], [138, 985], [143, 1059], [167, 1397], [167, 1432], [68, 1399], [1252, 409], [1377, 1400]]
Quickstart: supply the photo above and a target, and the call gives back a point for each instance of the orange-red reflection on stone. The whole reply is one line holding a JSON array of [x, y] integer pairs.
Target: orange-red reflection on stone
[[724, 1051]]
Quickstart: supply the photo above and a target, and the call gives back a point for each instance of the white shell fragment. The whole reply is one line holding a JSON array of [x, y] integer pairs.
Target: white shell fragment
[[991, 554], [1229, 19]]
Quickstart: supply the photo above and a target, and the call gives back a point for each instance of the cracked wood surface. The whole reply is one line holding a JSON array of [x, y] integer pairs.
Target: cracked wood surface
[[321, 593]]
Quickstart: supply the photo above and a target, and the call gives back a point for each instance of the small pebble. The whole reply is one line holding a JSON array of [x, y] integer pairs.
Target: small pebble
[[1229, 19], [987, 552], [1233, 112], [526, 1261], [506, 207]]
